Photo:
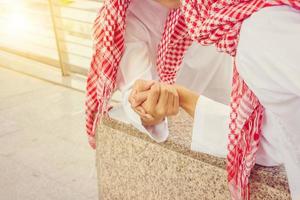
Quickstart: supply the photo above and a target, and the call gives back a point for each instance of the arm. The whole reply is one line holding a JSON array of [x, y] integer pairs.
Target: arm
[[187, 99]]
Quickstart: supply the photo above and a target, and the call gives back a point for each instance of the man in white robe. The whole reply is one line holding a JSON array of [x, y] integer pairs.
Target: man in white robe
[[138, 62], [273, 74], [271, 68]]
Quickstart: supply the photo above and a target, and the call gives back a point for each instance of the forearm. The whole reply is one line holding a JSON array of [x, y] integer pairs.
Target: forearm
[[187, 99]]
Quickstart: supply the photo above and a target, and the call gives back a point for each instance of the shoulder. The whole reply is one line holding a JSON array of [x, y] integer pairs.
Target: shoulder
[[135, 29]]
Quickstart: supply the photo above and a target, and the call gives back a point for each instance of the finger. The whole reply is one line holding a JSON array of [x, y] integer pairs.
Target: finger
[[140, 111], [140, 97], [147, 119], [152, 99], [176, 103], [163, 98], [170, 104], [161, 107], [149, 84], [131, 97]]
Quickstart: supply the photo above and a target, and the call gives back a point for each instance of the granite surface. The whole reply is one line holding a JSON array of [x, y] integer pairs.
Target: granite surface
[[132, 166]]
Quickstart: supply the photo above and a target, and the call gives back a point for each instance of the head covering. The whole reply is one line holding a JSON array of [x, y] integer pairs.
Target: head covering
[[109, 28], [218, 22]]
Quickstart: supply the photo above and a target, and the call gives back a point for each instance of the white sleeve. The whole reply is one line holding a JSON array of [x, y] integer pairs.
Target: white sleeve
[[207, 72], [137, 63], [210, 128], [270, 67]]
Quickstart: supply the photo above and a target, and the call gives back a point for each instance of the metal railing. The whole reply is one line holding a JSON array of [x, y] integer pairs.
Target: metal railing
[[51, 32]]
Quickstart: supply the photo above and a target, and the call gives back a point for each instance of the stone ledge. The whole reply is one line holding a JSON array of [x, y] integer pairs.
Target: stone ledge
[[132, 166]]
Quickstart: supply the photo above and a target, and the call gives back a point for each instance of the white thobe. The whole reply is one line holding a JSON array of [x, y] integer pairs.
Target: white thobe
[[268, 59]]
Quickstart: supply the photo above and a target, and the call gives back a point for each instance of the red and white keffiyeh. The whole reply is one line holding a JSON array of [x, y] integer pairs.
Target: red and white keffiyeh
[[218, 22], [109, 28]]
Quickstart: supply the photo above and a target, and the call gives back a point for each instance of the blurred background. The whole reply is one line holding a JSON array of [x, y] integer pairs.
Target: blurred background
[[45, 53], [56, 33]]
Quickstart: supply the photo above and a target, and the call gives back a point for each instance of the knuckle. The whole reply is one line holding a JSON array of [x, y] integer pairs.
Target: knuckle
[[155, 89], [176, 97], [160, 112]]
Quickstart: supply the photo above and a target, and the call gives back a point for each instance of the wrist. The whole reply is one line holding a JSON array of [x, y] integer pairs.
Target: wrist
[[187, 99], [182, 93]]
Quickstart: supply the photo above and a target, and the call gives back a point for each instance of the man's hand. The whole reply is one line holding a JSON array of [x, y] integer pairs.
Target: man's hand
[[140, 86], [154, 101], [160, 101]]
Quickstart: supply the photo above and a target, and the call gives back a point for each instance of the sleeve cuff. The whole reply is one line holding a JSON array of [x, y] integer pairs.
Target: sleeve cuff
[[207, 137]]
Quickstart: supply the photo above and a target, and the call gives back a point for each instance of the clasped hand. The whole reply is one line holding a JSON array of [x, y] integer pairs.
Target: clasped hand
[[153, 101]]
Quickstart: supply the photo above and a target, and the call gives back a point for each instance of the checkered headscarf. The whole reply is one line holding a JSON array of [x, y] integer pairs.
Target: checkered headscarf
[[109, 28], [218, 22]]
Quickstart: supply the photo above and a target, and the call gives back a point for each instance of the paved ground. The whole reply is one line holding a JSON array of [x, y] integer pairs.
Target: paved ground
[[43, 149]]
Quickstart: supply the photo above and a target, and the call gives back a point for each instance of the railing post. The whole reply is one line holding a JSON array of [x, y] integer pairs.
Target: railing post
[[64, 68]]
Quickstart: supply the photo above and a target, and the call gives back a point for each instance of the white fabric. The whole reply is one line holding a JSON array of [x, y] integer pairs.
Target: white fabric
[[207, 72], [268, 58], [210, 127], [142, 36]]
